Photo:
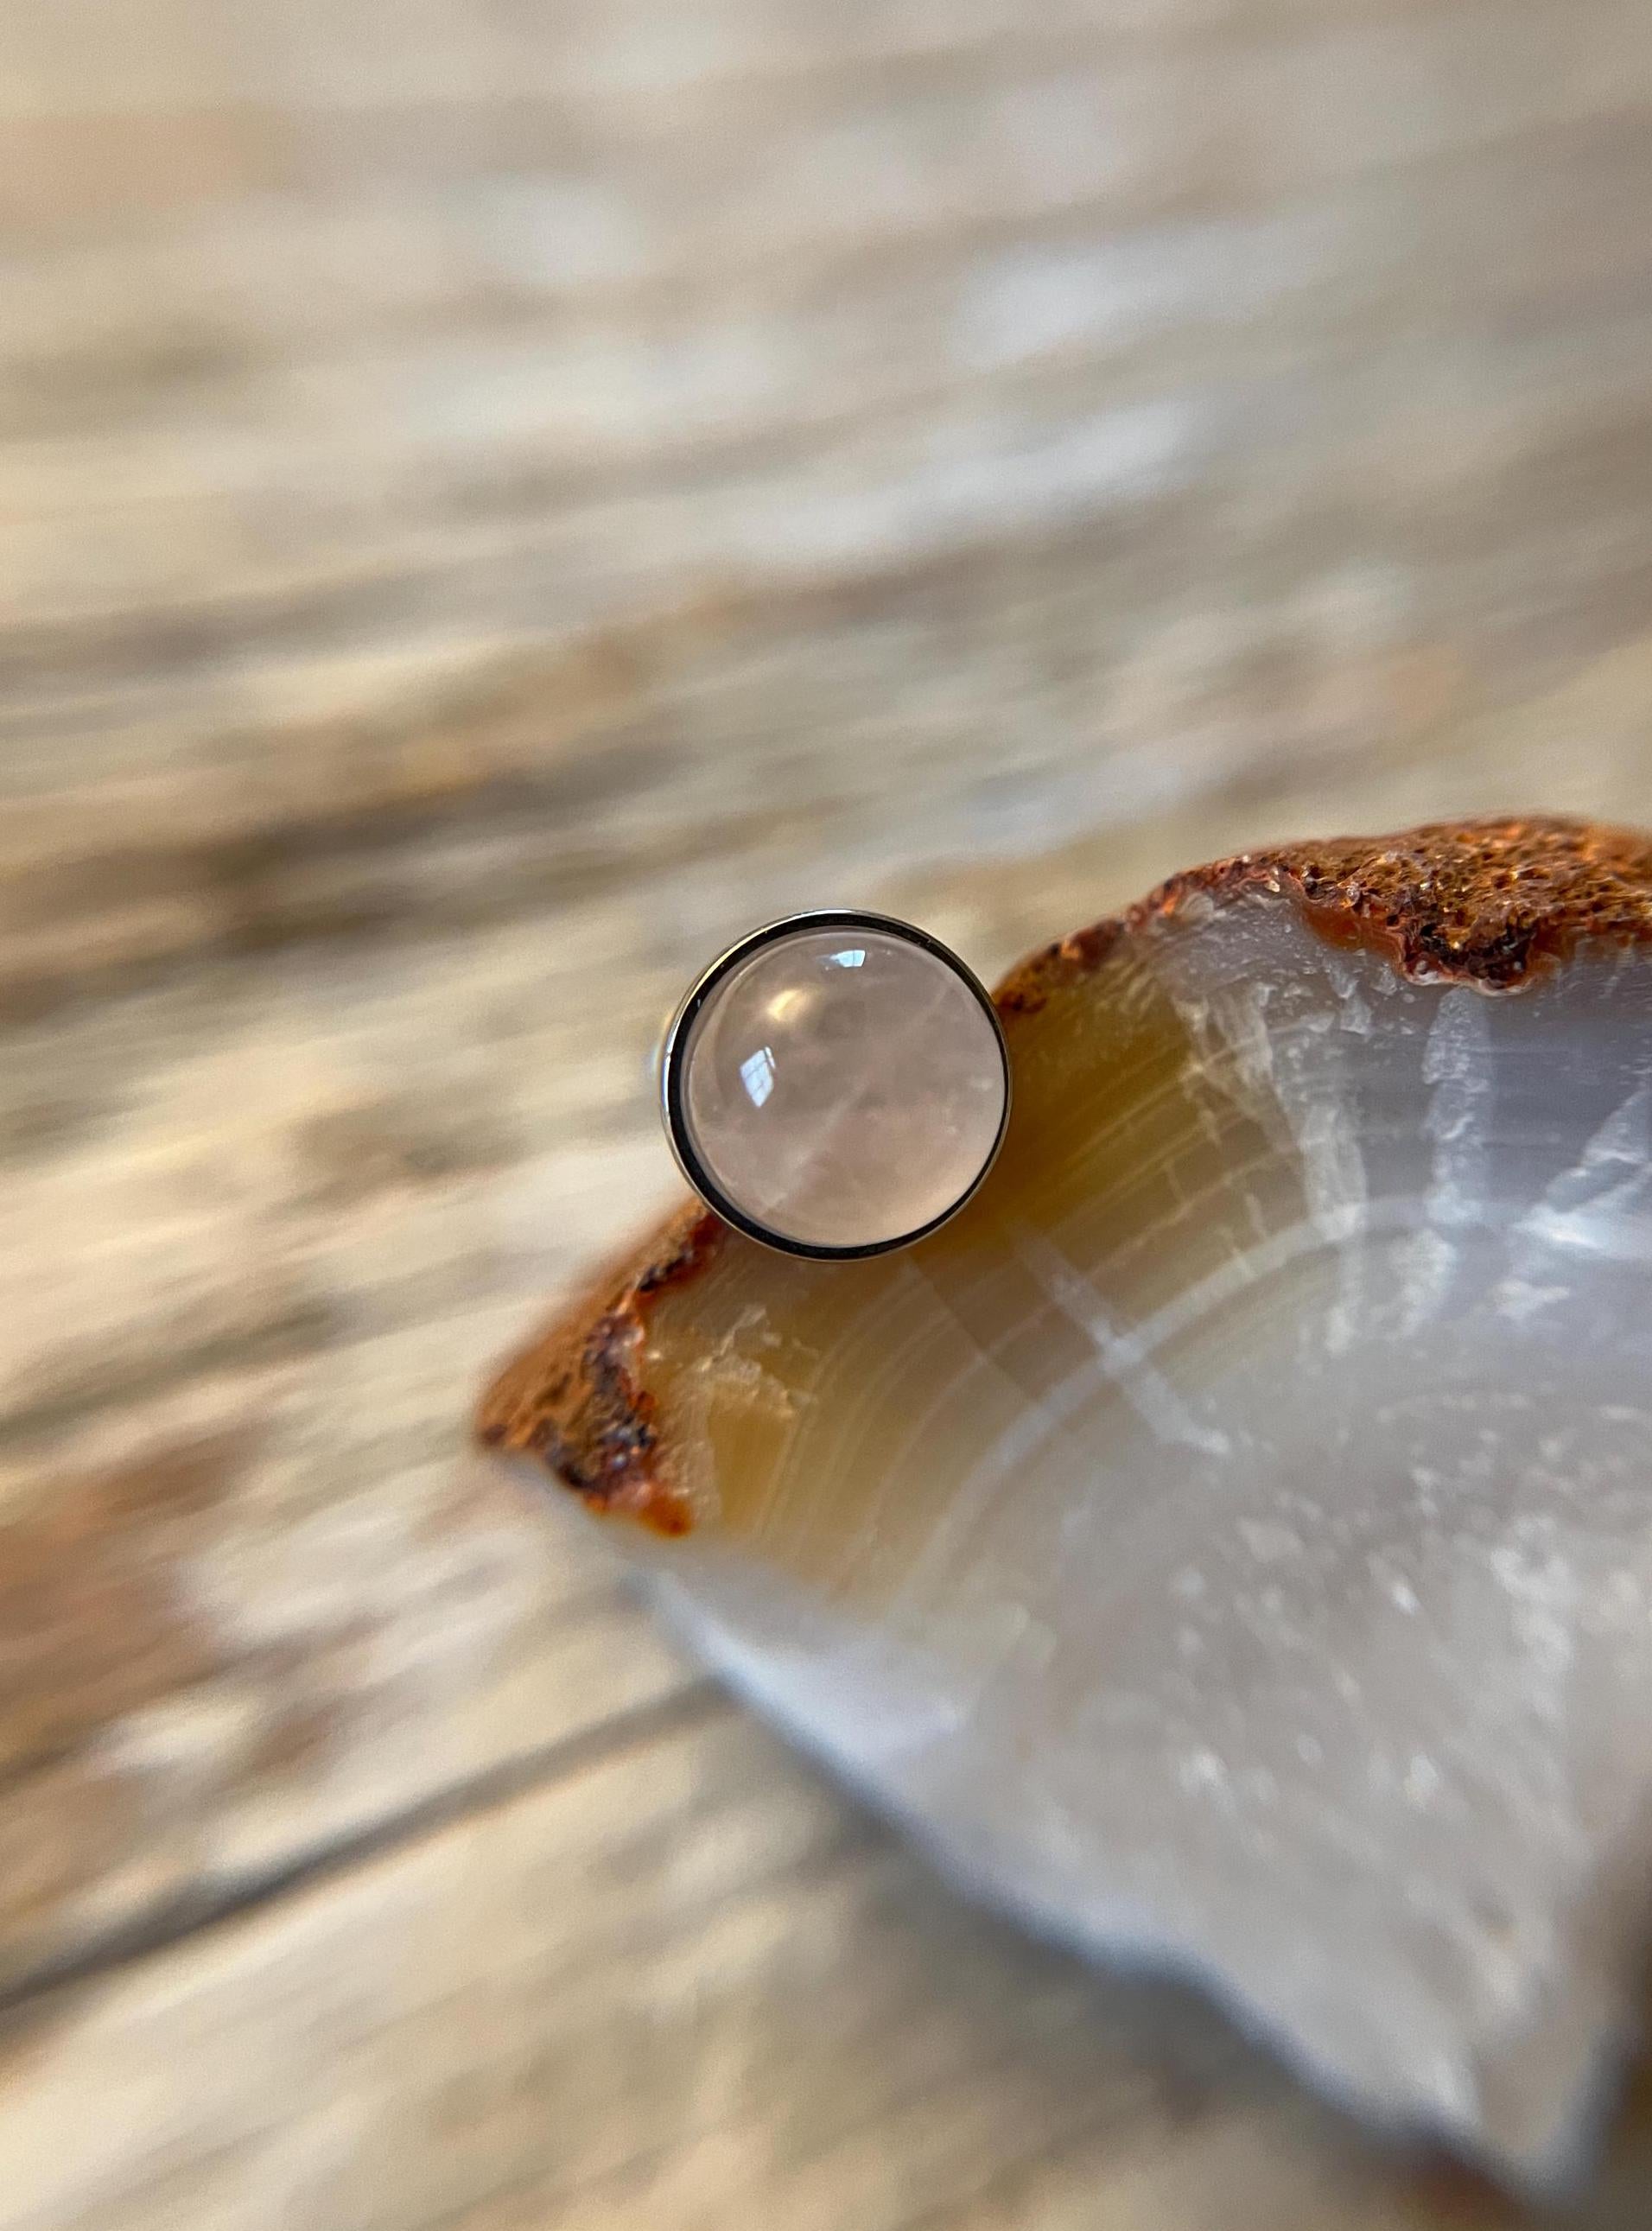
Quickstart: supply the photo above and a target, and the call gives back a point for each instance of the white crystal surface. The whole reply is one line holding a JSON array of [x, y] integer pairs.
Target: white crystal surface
[[1288, 1622]]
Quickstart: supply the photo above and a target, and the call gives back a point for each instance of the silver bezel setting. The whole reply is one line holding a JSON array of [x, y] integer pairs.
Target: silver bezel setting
[[673, 1049]]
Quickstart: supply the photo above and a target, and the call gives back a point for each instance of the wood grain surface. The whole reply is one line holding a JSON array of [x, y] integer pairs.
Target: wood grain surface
[[496, 498]]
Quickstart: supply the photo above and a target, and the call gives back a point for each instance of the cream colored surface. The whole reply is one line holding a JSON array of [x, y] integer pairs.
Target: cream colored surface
[[496, 499]]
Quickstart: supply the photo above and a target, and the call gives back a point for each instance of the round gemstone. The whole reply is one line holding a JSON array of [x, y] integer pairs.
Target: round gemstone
[[844, 1087]]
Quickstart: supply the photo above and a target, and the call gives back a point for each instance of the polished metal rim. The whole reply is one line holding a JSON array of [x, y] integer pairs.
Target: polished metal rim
[[679, 1036]]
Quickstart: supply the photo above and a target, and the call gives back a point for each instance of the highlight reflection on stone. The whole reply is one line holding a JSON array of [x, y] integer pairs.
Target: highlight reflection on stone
[[1231, 1541]]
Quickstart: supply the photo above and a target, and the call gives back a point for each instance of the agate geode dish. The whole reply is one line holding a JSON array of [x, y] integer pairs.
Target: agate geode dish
[[1229, 1542]]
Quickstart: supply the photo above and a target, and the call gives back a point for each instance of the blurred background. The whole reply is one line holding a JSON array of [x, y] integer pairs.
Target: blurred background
[[499, 495]]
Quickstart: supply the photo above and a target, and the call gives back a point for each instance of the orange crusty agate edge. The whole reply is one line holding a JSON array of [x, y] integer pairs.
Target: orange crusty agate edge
[[1492, 903]]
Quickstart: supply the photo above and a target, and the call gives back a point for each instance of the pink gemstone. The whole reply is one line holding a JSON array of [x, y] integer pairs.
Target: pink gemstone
[[845, 1088]]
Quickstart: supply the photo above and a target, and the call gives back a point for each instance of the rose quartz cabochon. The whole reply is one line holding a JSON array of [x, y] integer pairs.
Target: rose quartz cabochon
[[844, 1087]]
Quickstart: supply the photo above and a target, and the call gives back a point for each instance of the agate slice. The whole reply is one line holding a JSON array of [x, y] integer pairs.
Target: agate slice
[[1228, 1543]]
